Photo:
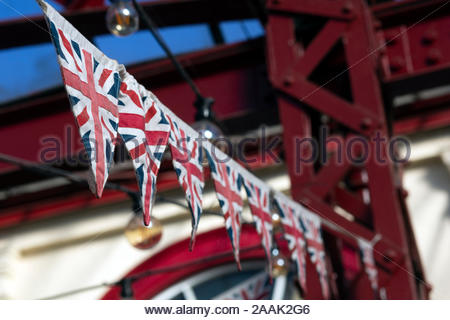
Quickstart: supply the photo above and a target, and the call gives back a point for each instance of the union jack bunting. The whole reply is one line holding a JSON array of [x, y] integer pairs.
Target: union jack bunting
[[187, 161], [258, 200], [257, 287], [366, 249], [316, 249], [136, 114], [157, 126], [92, 83], [227, 183], [157, 131], [293, 232], [107, 102]]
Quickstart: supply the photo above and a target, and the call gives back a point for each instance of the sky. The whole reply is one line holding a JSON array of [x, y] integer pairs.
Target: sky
[[31, 69]]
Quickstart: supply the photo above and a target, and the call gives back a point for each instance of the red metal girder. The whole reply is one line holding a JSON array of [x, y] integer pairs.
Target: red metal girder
[[296, 125], [352, 203], [293, 80], [337, 9], [91, 22], [319, 47], [45, 209], [349, 114], [213, 62], [386, 248], [422, 106], [277, 33], [384, 200], [394, 13], [364, 115], [414, 50], [235, 67], [361, 54], [312, 282], [423, 121], [389, 222], [329, 175], [324, 210], [386, 212]]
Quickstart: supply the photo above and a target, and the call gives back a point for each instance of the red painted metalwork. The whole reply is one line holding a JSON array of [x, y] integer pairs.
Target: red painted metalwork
[[325, 58], [92, 22], [322, 186], [230, 66], [81, 4]]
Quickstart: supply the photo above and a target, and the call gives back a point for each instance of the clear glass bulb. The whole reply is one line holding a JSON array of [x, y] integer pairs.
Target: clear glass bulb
[[142, 237], [276, 222], [122, 18], [279, 263], [208, 129]]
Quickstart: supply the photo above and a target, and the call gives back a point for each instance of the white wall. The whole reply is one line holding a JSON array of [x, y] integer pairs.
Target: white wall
[[427, 179]]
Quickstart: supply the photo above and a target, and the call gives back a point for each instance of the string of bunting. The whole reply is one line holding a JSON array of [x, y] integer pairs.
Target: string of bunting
[[108, 103]]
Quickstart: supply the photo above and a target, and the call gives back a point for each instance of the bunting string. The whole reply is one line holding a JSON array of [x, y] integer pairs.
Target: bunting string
[[109, 103]]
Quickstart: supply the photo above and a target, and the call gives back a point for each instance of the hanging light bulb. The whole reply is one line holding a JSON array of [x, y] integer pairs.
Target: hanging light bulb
[[142, 237], [206, 124], [208, 129], [205, 120], [279, 263], [276, 215], [276, 222], [122, 18]]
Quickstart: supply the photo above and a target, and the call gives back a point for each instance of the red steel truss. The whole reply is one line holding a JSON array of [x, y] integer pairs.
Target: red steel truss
[[307, 35]]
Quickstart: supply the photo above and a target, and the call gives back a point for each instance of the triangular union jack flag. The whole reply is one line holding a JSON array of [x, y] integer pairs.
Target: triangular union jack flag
[[316, 249], [258, 200], [293, 232], [135, 114], [227, 183], [92, 83], [157, 127], [187, 161], [369, 262]]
